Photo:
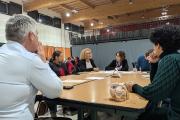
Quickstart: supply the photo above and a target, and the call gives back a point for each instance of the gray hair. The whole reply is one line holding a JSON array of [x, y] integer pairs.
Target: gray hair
[[18, 26]]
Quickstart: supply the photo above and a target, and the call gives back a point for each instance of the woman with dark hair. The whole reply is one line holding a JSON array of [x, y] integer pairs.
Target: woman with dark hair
[[57, 65], [166, 81], [120, 62]]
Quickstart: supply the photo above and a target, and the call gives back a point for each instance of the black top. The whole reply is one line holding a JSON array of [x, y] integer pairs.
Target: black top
[[82, 65], [56, 67], [113, 65]]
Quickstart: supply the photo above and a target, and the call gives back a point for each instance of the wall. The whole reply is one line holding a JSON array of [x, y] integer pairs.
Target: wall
[[48, 35], [104, 53]]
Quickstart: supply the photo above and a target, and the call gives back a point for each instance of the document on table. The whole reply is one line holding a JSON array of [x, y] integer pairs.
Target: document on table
[[73, 82], [95, 78], [146, 76], [127, 72]]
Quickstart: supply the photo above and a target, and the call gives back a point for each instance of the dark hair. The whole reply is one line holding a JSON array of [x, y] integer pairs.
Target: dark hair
[[121, 54], [55, 54], [148, 52], [167, 36]]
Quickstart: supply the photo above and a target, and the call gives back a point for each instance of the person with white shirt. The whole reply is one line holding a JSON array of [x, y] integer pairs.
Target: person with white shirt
[[24, 70]]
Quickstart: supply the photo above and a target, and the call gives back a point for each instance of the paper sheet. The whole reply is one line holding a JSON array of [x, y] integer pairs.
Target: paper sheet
[[127, 72], [95, 78], [74, 81], [146, 76]]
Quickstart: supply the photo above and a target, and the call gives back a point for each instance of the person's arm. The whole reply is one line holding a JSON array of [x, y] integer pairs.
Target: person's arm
[[54, 68], [111, 66], [44, 79], [82, 66], [125, 66], [163, 83], [93, 64]]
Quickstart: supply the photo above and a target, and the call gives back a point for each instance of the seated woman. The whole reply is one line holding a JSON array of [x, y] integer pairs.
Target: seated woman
[[70, 66], [57, 65], [120, 62], [86, 62], [166, 82]]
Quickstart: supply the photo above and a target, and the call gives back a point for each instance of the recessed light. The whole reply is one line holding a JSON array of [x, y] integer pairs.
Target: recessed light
[[68, 14], [164, 13], [40, 20], [67, 28], [167, 23], [92, 24]]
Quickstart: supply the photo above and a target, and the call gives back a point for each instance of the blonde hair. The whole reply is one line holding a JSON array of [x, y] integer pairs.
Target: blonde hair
[[83, 51]]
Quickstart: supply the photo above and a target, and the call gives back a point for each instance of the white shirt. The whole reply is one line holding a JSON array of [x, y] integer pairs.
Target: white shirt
[[88, 65], [22, 74]]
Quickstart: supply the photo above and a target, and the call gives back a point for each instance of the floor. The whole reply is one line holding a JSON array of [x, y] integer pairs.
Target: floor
[[101, 115]]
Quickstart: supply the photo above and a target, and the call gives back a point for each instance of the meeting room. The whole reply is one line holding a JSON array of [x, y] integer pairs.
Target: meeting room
[[89, 59]]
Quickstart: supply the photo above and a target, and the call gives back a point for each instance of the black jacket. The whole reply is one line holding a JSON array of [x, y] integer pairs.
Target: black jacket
[[112, 65], [56, 67], [82, 65]]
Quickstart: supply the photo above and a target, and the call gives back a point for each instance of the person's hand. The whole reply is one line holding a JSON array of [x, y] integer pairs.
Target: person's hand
[[152, 58], [41, 52], [96, 69], [129, 86]]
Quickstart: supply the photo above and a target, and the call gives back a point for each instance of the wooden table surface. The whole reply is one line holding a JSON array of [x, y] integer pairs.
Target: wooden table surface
[[97, 91]]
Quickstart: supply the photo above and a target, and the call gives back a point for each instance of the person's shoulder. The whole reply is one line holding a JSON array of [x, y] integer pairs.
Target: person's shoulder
[[83, 60], [171, 58], [141, 57], [113, 61], [35, 60], [175, 56], [91, 60], [125, 60]]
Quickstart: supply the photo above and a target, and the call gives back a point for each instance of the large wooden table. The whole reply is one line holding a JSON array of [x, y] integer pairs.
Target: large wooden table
[[95, 94]]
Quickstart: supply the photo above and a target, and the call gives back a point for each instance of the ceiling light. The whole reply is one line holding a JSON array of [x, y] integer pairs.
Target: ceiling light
[[108, 30], [92, 24], [167, 23], [67, 28], [40, 20], [164, 13], [68, 14]]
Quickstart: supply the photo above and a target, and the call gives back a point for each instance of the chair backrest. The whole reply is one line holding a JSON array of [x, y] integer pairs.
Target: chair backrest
[[42, 108]]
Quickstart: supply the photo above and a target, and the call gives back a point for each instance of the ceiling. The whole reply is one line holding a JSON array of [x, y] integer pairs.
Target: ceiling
[[104, 13]]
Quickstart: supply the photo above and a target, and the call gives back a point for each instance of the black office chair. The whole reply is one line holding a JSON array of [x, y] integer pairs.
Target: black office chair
[[42, 108]]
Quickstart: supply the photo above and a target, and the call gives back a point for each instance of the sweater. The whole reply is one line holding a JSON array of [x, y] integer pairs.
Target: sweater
[[165, 84]]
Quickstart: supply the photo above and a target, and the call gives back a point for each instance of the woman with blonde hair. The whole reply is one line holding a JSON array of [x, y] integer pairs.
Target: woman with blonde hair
[[86, 62]]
